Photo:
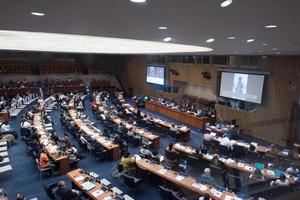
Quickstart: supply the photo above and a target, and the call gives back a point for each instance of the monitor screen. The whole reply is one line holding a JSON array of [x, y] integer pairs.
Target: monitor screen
[[259, 166], [246, 87], [156, 74]]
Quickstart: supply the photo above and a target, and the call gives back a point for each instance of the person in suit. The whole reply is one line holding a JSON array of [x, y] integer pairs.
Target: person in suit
[[207, 178], [62, 193]]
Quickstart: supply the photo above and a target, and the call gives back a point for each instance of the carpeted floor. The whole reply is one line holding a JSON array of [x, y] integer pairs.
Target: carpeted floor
[[25, 176]]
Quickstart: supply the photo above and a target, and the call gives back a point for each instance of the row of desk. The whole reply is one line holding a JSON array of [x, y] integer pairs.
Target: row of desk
[[144, 134], [187, 118], [46, 141], [186, 182], [113, 149], [244, 167], [183, 130]]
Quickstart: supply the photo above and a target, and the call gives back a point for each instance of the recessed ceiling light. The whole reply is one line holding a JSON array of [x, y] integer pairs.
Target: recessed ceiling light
[[225, 3], [250, 40], [278, 52], [38, 14], [210, 40], [231, 38], [274, 49], [167, 39], [260, 51], [271, 26], [162, 27], [264, 44], [138, 1], [55, 42]]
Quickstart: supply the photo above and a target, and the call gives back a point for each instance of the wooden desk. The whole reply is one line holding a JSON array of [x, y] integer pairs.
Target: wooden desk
[[188, 183], [73, 176], [244, 167], [4, 115], [145, 134], [114, 149], [3, 198], [63, 161], [184, 131], [193, 120]]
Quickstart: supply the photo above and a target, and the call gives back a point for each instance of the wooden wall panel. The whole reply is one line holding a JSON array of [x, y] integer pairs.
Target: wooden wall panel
[[273, 119]]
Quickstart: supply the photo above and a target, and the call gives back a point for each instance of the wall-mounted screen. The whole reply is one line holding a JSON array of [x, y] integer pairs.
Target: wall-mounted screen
[[246, 87], [156, 74]]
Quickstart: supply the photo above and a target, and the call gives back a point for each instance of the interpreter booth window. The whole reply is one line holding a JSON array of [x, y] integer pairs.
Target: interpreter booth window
[[237, 104]]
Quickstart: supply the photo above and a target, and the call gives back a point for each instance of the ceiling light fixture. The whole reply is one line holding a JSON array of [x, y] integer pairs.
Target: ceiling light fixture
[[210, 40], [138, 1], [271, 26], [250, 40], [70, 43], [274, 49], [278, 52], [264, 44], [162, 28], [38, 14], [225, 3], [167, 39], [231, 38]]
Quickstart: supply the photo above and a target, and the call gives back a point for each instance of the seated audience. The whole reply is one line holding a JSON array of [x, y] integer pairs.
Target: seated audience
[[292, 170], [207, 178], [128, 162], [273, 150], [226, 142], [9, 138], [62, 193], [6, 129], [44, 161], [145, 151]]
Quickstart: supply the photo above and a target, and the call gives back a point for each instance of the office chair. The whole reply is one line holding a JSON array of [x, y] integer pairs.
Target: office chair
[[239, 151], [165, 193], [49, 189], [224, 150], [171, 155], [132, 182], [234, 182]]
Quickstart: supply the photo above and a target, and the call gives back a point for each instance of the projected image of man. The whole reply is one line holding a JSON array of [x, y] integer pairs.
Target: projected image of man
[[240, 85]]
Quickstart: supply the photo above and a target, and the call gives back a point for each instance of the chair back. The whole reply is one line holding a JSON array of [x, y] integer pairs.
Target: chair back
[[165, 193], [129, 180], [234, 182], [120, 168], [239, 151], [223, 150], [171, 155], [49, 189]]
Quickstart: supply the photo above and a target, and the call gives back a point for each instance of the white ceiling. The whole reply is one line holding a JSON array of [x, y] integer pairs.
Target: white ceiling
[[189, 22]]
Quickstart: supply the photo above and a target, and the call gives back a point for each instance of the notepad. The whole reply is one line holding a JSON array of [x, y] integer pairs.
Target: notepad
[[179, 178], [228, 197], [97, 193], [199, 186], [162, 171], [216, 192], [79, 178], [88, 186], [94, 175], [241, 164]]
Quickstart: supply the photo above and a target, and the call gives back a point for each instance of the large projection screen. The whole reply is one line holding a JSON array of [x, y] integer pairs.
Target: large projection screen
[[155, 74], [242, 86]]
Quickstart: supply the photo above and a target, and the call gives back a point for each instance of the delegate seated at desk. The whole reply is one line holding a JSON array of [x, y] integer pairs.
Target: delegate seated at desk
[[128, 163], [62, 193], [226, 142], [44, 161], [207, 178]]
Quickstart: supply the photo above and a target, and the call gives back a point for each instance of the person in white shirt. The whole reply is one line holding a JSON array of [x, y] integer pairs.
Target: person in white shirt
[[6, 129], [145, 151], [226, 142], [82, 139], [173, 128], [25, 124], [282, 181], [292, 170]]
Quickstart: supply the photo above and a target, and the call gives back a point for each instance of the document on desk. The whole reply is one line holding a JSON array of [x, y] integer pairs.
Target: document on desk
[[97, 193], [241, 164], [88, 186], [216, 192], [179, 178], [162, 171], [199, 186], [228, 197], [79, 178]]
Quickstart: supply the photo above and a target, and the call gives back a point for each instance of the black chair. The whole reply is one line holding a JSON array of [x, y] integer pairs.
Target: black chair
[[178, 196], [193, 161], [238, 151], [49, 189], [224, 150], [132, 182], [171, 155], [101, 155], [234, 182], [165, 193]]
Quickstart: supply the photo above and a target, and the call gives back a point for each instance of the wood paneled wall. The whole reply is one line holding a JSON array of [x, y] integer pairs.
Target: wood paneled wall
[[273, 119]]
